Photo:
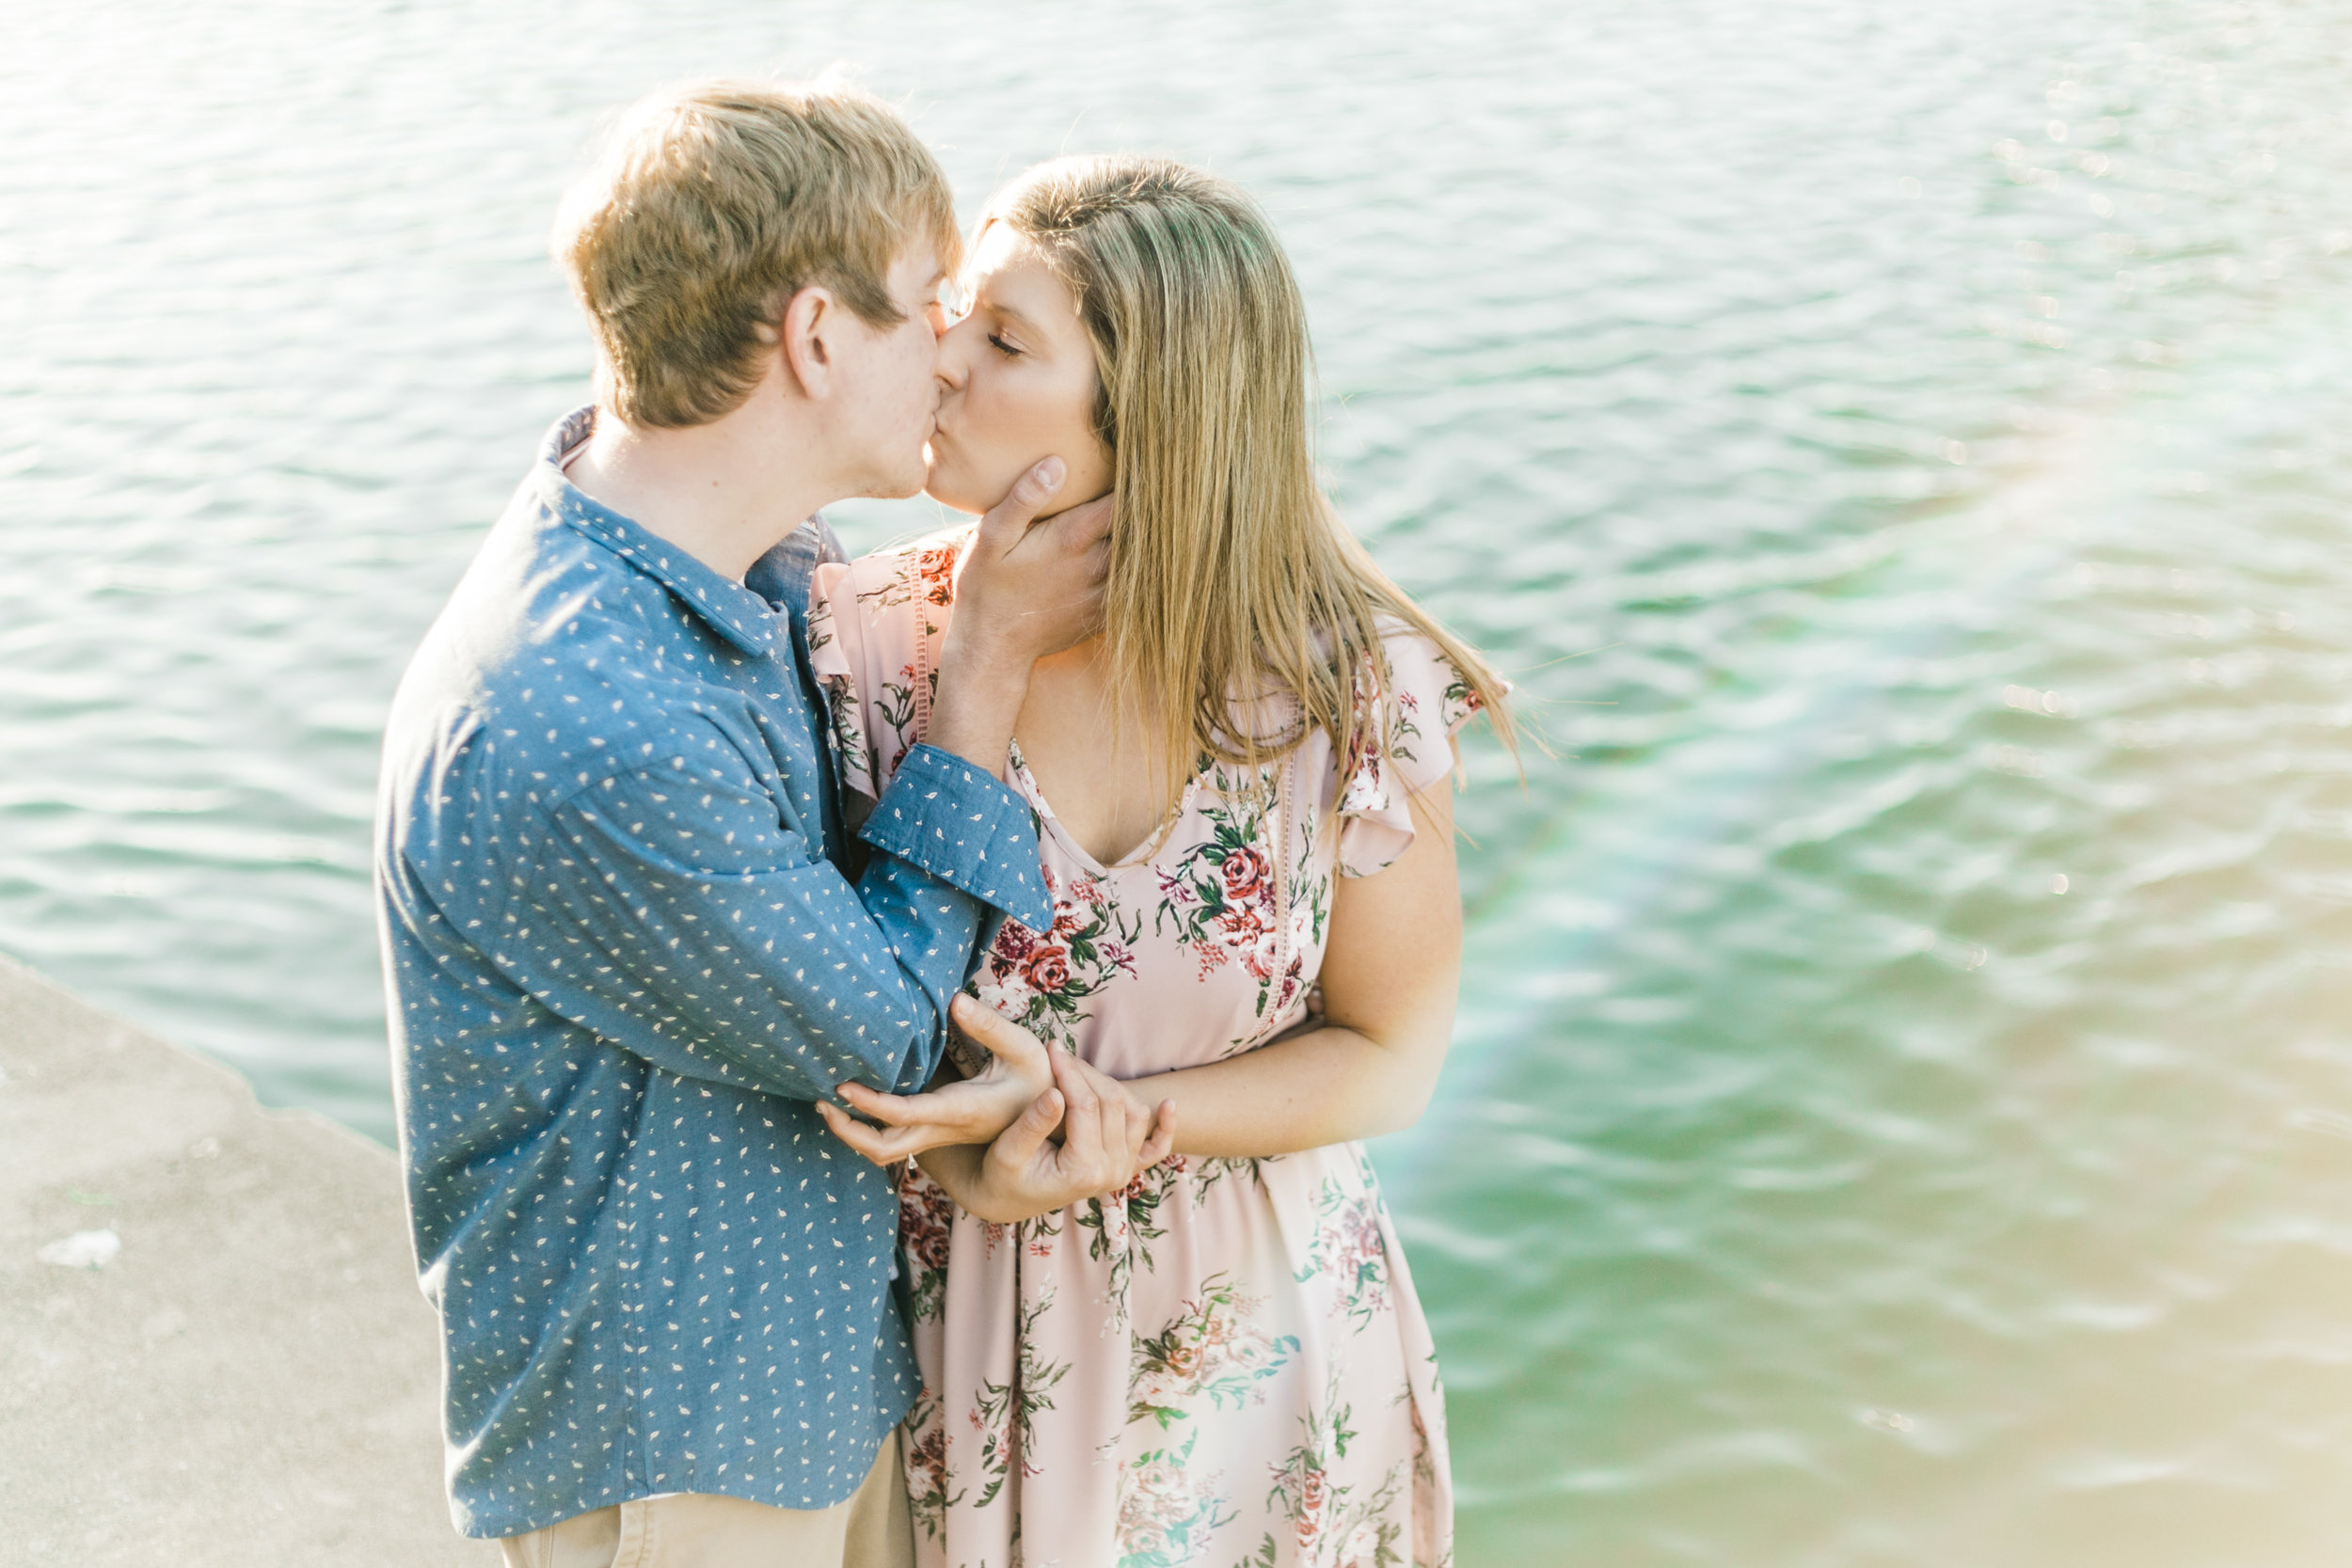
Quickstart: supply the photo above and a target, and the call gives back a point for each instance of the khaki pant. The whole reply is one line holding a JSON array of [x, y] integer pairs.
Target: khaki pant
[[693, 1529]]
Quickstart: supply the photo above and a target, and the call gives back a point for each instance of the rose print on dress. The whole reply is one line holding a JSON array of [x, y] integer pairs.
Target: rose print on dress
[[1041, 980], [1215, 1348], [1331, 1524], [1349, 1253], [1218, 899], [927, 1482], [1167, 1510], [925, 1217]]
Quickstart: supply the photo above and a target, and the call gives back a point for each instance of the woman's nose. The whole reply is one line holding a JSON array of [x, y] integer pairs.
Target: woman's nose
[[954, 362]]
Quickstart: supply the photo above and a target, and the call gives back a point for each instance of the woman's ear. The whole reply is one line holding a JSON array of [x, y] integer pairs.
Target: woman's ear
[[801, 332]]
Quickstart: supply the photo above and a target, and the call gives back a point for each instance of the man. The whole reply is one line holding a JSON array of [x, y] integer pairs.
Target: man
[[628, 940]]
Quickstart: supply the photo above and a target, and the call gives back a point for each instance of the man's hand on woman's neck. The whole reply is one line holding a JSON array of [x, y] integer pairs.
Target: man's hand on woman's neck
[[725, 491], [1028, 589]]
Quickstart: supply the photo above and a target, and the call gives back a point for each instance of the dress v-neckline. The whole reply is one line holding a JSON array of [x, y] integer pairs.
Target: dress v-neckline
[[1137, 855]]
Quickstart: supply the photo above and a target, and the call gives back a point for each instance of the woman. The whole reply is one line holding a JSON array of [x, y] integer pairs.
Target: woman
[[1224, 1363]]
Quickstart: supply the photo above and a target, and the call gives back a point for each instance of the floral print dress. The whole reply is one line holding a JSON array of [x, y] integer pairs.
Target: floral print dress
[[1224, 1364]]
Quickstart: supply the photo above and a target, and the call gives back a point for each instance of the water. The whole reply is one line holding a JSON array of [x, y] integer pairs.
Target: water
[[1903, 1111]]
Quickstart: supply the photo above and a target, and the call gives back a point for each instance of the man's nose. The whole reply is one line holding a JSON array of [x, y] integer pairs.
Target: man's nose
[[951, 368]]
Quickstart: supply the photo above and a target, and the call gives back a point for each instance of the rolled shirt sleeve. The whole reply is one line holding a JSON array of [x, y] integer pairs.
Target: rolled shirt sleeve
[[944, 814]]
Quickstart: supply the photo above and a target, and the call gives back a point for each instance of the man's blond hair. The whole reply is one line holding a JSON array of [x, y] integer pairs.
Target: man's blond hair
[[711, 206]]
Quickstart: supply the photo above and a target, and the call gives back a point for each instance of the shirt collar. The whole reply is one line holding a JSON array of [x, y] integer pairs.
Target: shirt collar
[[734, 611]]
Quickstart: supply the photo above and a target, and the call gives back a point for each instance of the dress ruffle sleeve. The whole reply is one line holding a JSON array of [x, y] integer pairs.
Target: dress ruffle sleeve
[[874, 628], [1409, 749]]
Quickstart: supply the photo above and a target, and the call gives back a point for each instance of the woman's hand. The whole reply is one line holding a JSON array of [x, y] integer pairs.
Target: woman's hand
[[1107, 1138], [970, 1110]]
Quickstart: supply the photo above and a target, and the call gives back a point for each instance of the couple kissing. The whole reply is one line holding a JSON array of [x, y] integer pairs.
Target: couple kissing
[[882, 1046]]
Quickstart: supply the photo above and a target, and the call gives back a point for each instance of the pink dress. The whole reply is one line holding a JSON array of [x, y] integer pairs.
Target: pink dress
[[1225, 1363]]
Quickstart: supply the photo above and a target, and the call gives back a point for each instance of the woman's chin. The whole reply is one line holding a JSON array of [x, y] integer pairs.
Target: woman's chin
[[947, 491]]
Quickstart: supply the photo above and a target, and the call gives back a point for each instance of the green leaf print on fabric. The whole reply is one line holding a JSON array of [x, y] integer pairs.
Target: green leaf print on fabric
[[894, 702], [1460, 701], [1006, 1412], [926, 1234], [1219, 897], [848, 736], [1041, 980], [928, 1495], [1267, 1556], [1334, 1528], [1349, 1248], [1214, 1347], [1124, 1230], [1207, 1173], [1166, 1510]]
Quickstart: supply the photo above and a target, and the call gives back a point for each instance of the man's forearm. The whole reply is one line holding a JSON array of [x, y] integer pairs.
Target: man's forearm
[[760, 965], [982, 687]]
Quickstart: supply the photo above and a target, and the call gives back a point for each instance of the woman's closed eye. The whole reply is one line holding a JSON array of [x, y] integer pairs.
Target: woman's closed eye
[[997, 342]]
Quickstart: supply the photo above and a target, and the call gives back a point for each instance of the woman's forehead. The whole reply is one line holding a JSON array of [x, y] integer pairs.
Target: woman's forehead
[[1008, 273]]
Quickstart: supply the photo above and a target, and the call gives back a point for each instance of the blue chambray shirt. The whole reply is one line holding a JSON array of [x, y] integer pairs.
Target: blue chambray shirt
[[623, 960]]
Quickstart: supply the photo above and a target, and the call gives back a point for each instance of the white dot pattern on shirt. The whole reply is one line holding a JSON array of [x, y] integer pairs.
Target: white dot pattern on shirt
[[621, 968]]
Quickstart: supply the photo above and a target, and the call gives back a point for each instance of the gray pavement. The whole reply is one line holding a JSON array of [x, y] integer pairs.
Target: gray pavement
[[251, 1378]]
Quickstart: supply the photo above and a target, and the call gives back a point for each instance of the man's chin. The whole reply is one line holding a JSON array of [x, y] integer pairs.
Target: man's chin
[[897, 487]]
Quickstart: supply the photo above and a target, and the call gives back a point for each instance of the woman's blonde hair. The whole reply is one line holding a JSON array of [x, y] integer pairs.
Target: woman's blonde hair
[[1230, 570]]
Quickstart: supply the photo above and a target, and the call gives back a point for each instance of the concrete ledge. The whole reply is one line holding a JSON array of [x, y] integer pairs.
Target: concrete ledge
[[252, 1378]]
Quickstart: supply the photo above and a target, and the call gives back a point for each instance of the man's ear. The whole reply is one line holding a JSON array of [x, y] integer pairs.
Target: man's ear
[[809, 316]]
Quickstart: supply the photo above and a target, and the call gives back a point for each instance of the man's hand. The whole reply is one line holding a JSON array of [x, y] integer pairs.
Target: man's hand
[[970, 1110], [1026, 589], [1106, 1139]]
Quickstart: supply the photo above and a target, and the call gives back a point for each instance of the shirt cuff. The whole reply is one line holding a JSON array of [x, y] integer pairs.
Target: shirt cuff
[[942, 815]]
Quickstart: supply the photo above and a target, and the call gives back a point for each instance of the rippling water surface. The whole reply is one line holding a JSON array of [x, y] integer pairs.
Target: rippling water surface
[[1903, 1111]]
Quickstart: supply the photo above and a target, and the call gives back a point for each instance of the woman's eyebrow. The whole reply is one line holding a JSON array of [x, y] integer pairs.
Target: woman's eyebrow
[[1019, 322]]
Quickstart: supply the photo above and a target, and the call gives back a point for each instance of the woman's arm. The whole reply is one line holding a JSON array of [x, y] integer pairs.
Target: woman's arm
[[1106, 1139], [1391, 973]]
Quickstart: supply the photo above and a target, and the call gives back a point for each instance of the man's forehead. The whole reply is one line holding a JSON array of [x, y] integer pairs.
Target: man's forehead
[[919, 264]]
